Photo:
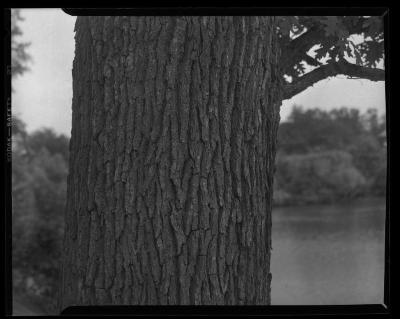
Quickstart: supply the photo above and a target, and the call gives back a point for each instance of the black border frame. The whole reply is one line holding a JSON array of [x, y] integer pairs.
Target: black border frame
[[373, 310]]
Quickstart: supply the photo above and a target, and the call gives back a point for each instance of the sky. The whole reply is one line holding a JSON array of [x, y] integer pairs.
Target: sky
[[42, 97]]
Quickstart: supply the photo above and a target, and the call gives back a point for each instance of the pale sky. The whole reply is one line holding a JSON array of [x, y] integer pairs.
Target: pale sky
[[43, 96]]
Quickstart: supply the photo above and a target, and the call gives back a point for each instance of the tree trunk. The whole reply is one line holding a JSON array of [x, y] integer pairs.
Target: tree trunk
[[172, 152]]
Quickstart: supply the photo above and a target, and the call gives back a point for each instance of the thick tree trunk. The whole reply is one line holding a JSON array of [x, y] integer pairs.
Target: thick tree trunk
[[172, 155]]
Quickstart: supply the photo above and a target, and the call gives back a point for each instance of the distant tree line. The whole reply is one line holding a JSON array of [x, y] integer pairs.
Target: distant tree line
[[39, 178], [324, 156]]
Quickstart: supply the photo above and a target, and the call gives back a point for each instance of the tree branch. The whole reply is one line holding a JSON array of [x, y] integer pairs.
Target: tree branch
[[295, 50], [311, 61], [332, 69]]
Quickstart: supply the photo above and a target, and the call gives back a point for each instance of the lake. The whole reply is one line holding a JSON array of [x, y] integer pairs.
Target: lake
[[328, 254]]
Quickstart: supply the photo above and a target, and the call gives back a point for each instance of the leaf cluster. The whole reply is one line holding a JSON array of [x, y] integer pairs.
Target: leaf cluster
[[309, 42]]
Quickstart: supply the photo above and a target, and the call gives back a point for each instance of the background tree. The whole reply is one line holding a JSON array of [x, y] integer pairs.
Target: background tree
[[172, 150], [19, 55], [330, 156], [39, 180]]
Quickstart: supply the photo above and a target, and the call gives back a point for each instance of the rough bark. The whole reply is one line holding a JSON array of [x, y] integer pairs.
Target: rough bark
[[172, 154]]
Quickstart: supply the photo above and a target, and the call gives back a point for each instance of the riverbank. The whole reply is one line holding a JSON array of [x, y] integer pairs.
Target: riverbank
[[292, 202]]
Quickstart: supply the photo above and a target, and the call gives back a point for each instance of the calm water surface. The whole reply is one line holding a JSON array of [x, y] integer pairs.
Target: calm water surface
[[331, 254]]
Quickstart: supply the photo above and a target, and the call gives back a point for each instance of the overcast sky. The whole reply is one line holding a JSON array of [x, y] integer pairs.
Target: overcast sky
[[43, 96]]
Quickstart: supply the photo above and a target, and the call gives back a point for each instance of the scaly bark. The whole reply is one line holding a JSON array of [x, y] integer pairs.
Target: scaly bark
[[172, 153]]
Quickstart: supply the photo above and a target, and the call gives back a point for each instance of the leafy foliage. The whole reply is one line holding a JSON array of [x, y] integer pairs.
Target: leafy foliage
[[314, 129], [334, 36], [39, 175], [19, 56], [319, 176], [329, 155], [349, 45], [49, 141]]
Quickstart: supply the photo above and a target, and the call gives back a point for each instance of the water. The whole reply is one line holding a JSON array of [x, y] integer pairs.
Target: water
[[328, 254]]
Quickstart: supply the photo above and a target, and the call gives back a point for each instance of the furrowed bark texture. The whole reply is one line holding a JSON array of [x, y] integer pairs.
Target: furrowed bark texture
[[172, 155]]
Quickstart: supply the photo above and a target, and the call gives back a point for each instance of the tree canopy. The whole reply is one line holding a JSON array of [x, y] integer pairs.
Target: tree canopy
[[317, 47]]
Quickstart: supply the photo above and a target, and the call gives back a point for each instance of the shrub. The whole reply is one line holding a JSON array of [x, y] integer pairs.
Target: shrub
[[318, 176]]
